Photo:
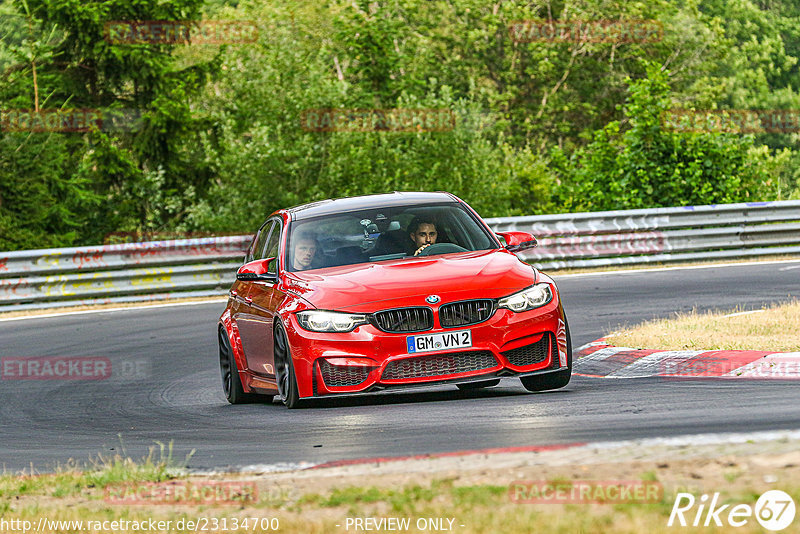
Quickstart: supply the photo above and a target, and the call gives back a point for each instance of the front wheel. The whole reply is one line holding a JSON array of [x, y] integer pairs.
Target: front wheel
[[284, 370], [552, 380]]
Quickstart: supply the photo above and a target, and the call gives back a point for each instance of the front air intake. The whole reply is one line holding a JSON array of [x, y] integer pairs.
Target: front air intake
[[343, 375], [448, 363], [530, 354]]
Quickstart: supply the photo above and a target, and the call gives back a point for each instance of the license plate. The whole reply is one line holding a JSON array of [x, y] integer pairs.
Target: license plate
[[442, 341]]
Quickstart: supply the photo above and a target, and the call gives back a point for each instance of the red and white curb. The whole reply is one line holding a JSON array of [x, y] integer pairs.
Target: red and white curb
[[599, 359]]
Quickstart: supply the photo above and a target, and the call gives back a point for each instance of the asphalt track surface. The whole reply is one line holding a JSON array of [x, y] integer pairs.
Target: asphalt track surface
[[175, 395]]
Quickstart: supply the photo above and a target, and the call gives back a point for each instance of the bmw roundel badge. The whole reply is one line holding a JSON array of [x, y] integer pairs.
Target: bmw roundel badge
[[432, 299]]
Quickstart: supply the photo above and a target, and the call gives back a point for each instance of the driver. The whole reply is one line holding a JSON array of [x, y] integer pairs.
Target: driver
[[304, 252], [422, 231]]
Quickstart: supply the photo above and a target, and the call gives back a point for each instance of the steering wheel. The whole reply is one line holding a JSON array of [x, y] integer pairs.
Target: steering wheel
[[440, 248]]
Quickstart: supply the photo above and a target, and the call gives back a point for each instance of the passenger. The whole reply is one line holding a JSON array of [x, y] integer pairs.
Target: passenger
[[304, 252], [422, 231]]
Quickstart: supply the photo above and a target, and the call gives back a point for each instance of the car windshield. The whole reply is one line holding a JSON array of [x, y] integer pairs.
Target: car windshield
[[382, 234]]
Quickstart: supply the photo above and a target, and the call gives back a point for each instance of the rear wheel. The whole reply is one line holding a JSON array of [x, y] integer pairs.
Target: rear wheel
[[231, 383], [284, 370], [552, 380], [479, 385]]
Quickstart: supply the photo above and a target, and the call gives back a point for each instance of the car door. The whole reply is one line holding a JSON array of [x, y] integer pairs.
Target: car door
[[257, 313], [240, 309]]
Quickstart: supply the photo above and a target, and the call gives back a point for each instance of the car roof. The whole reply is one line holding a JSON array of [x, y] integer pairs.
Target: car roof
[[383, 200]]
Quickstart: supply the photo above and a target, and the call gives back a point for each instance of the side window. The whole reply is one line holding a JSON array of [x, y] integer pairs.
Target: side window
[[271, 248], [258, 244]]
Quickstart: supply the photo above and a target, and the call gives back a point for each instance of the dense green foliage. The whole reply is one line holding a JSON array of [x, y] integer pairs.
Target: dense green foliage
[[540, 127]]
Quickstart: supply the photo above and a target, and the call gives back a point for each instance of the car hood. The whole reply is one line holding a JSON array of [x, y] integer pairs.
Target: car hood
[[368, 287]]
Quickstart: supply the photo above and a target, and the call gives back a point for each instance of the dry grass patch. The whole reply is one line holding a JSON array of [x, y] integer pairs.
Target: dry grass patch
[[472, 493], [472, 507], [776, 328]]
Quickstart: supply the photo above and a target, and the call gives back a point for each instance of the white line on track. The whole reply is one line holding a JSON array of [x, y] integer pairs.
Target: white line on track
[[557, 276], [105, 310], [708, 439], [258, 469]]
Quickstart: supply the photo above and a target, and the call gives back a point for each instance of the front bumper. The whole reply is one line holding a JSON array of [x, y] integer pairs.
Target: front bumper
[[368, 359]]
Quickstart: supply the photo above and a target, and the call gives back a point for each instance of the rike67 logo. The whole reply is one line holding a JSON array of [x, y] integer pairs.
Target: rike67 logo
[[774, 510]]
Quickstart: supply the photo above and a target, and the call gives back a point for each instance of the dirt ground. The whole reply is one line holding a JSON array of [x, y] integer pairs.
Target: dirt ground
[[473, 490], [682, 466]]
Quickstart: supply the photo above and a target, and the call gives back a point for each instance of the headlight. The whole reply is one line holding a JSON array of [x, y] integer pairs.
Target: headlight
[[328, 321], [527, 299]]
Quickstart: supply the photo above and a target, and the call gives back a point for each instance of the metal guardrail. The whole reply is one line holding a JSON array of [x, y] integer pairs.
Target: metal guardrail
[[126, 272], [206, 267], [659, 235]]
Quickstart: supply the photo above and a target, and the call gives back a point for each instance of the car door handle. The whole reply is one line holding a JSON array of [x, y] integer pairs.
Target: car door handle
[[248, 300]]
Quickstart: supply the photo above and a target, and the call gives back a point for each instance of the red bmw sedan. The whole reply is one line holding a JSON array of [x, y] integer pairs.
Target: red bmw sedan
[[356, 295]]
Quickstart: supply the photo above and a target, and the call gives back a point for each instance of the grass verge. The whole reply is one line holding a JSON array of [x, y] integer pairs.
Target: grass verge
[[776, 328], [70, 480], [474, 498]]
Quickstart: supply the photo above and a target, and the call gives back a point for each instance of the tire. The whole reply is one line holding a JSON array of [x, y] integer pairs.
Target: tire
[[478, 385], [231, 382], [552, 380], [284, 370]]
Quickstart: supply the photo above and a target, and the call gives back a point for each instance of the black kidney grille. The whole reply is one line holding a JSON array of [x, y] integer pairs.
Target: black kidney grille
[[439, 364], [529, 354], [404, 320], [343, 375], [466, 312]]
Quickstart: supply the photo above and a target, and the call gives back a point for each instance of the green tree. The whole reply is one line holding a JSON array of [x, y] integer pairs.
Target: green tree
[[647, 165], [62, 60]]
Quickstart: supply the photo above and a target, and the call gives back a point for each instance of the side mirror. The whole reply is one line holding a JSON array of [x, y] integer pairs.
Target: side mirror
[[257, 270], [518, 241]]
